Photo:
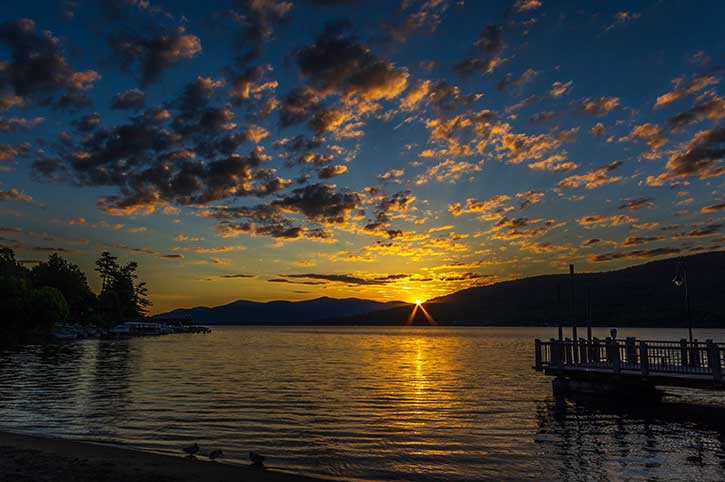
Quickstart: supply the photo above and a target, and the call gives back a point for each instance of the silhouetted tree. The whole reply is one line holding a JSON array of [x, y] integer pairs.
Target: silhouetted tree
[[66, 277], [14, 283], [43, 307], [121, 297], [27, 311]]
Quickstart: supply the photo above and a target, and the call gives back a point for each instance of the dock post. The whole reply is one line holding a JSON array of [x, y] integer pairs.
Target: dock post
[[557, 357], [643, 358], [695, 354], [713, 358], [595, 357], [613, 358], [630, 350], [683, 352], [617, 359], [567, 351], [583, 349], [537, 351]]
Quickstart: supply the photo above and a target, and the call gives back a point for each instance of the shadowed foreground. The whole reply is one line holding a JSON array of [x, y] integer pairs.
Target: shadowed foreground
[[26, 458]]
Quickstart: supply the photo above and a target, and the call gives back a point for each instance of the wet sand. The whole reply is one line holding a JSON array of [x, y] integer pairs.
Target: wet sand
[[26, 458]]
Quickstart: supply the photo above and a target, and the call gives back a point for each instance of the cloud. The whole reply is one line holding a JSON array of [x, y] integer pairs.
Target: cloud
[[18, 124], [319, 202], [425, 17], [599, 106], [516, 148], [257, 20], [38, 67], [529, 198], [597, 220], [634, 204], [88, 122], [622, 18], [508, 229], [699, 232], [527, 5], [14, 195], [598, 129], [337, 63], [638, 240], [237, 276], [556, 162], [327, 172], [337, 278], [683, 88], [592, 179], [448, 171], [490, 45], [153, 53], [10, 151], [493, 205], [705, 108], [701, 157], [713, 208], [558, 89], [511, 83], [392, 175], [415, 95], [650, 133], [637, 254], [543, 117], [129, 99], [282, 280]]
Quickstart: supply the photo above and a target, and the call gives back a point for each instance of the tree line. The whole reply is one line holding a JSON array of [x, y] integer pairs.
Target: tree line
[[33, 299]]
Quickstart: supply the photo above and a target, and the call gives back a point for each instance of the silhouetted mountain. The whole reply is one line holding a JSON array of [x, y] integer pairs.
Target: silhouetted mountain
[[280, 312], [639, 295]]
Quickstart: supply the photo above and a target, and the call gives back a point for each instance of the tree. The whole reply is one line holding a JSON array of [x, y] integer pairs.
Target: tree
[[14, 283], [121, 297], [43, 307], [70, 281]]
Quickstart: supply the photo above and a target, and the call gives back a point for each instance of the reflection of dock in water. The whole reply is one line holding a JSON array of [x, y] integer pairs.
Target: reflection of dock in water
[[589, 437]]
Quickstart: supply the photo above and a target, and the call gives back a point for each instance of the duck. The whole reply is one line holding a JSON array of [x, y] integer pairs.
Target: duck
[[191, 450], [257, 459], [215, 454]]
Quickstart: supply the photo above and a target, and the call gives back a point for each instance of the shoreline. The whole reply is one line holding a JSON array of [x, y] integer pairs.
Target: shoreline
[[38, 458]]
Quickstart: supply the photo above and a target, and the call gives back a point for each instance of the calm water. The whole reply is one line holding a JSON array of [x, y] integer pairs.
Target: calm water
[[413, 404]]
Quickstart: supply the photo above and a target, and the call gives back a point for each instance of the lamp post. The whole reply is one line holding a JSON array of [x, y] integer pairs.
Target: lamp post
[[680, 279]]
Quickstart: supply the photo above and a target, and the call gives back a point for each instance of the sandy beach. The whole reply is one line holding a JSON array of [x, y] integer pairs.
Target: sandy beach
[[26, 458]]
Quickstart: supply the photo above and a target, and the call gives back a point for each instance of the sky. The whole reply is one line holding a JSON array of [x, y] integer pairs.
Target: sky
[[391, 150]]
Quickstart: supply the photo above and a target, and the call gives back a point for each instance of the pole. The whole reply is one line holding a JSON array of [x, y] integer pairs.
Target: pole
[[687, 303], [571, 312], [571, 301]]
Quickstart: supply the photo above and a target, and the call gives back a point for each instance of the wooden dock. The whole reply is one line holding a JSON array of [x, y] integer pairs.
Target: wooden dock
[[633, 362]]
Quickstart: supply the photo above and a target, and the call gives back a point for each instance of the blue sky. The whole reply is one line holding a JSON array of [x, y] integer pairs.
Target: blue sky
[[288, 149]]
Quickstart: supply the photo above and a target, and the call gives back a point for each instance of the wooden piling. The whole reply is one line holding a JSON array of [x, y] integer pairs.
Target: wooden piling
[[713, 359], [644, 358]]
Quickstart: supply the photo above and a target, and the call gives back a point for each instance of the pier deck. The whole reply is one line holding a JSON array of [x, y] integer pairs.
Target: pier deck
[[645, 362]]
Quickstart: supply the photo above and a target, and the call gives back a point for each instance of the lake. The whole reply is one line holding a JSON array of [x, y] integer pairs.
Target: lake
[[408, 404]]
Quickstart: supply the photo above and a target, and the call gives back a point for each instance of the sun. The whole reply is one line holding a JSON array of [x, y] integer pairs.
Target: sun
[[418, 302]]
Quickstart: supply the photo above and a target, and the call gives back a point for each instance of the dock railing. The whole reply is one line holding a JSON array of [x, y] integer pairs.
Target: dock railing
[[632, 357]]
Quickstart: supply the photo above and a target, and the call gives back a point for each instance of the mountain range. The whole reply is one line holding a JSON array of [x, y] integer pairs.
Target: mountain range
[[244, 312], [642, 295]]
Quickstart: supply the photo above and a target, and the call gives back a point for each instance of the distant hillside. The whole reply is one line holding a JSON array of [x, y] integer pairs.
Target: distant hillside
[[641, 295], [280, 312]]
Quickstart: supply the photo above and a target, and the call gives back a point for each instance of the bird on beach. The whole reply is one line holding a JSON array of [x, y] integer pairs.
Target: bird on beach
[[257, 459], [215, 454], [191, 450]]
